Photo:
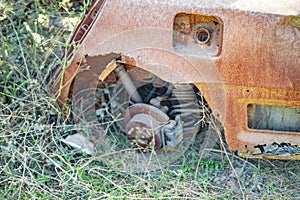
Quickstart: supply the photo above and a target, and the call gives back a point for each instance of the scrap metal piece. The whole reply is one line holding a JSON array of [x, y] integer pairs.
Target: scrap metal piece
[[275, 149], [281, 151], [252, 56], [80, 142]]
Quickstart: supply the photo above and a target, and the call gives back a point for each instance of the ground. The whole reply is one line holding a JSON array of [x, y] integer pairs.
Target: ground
[[36, 164]]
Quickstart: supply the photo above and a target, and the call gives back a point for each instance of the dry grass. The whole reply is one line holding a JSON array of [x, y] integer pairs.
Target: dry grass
[[34, 164]]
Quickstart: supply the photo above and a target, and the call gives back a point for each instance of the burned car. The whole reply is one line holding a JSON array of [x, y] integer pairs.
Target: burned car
[[145, 74]]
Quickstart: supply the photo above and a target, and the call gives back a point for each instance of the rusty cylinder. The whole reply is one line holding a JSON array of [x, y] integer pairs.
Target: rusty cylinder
[[128, 84]]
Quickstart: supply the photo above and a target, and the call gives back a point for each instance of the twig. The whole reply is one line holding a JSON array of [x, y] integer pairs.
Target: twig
[[214, 126]]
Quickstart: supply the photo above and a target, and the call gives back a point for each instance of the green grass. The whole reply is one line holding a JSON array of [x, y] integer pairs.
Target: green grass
[[35, 164]]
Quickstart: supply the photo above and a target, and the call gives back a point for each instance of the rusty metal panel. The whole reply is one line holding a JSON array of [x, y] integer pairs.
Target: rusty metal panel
[[238, 53]]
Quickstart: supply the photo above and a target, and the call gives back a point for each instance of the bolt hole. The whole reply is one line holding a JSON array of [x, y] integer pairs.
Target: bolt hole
[[94, 14], [247, 90], [202, 36]]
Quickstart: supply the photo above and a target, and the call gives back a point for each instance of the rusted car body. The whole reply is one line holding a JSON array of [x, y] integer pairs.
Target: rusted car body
[[242, 55]]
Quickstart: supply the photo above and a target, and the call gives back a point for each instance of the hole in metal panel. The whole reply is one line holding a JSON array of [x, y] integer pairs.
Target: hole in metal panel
[[202, 36], [275, 118], [197, 34]]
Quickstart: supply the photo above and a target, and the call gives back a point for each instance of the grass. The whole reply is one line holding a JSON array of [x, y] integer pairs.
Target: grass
[[35, 164]]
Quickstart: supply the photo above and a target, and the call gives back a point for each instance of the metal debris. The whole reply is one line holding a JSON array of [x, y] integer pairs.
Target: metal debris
[[275, 149]]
